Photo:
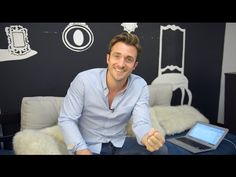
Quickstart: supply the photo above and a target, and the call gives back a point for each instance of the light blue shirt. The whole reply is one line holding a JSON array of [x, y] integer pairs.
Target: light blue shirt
[[86, 120]]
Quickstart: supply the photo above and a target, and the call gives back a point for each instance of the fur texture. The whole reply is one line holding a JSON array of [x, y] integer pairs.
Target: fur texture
[[48, 141], [176, 119], [166, 119]]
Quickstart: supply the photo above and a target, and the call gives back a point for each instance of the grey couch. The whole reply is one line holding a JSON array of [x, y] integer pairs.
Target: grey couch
[[40, 134]]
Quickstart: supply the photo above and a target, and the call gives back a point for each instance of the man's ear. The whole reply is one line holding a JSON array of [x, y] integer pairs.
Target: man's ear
[[135, 65], [108, 56]]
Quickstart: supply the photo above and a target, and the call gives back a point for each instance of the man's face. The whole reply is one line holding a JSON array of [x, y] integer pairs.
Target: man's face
[[121, 61]]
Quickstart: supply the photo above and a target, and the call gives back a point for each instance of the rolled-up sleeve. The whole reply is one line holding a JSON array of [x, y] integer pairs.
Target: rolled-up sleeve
[[141, 122], [69, 115]]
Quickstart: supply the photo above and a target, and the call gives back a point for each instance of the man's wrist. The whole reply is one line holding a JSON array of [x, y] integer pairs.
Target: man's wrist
[[72, 149], [83, 152]]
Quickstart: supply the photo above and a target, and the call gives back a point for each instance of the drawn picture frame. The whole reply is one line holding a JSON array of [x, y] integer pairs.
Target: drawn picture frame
[[79, 31], [18, 43]]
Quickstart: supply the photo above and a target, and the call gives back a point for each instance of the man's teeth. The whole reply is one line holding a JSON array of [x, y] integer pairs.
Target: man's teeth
[[118, 70]]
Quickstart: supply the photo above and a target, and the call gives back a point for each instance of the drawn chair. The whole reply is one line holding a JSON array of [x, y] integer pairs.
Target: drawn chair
[[176, 77]]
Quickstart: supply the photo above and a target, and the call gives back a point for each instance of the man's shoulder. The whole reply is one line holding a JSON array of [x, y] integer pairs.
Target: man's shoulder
[[89, 75], [90, 72], [138, 79]]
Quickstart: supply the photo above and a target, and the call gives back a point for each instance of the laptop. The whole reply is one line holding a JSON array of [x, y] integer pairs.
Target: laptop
[[201, 137]]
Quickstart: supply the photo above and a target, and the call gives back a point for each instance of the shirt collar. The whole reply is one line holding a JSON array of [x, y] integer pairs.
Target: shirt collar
[[104, 82]]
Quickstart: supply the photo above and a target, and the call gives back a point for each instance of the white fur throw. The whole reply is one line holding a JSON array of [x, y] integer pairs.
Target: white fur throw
[[176, 119], [166, 119], [48, 141]]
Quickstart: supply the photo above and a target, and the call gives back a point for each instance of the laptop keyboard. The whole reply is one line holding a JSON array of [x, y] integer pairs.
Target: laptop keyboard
[[192, 143]]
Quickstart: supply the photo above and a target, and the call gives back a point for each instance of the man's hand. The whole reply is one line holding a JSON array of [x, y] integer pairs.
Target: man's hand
[[153, 140], [83, 152]]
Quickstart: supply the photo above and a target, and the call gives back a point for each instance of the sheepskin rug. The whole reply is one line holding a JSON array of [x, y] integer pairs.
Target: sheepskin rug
[[168, 120], [176, 119], [48, 141]]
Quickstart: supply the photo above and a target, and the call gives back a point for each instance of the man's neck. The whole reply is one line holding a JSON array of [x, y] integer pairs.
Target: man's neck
[[114, 89], [116, 86]]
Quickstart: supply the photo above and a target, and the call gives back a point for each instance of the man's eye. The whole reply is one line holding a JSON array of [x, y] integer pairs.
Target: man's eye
[[130, 60], [117, 56]]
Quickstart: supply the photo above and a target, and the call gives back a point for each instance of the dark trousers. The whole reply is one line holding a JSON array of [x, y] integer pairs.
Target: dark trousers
[[130, 147]]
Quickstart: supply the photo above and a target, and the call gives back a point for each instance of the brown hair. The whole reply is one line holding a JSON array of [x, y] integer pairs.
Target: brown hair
[[127, 38]]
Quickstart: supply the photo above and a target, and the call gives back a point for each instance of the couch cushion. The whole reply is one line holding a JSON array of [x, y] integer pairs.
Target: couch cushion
[[160, 94], [40, 112]]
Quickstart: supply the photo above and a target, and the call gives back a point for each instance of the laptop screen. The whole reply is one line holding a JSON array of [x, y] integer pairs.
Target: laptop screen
[[209, 134]]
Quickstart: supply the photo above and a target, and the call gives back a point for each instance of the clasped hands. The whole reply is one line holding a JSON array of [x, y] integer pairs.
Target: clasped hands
[[153, 140]]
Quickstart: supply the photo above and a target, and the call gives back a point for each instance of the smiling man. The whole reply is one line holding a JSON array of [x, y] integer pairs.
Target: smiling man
[[100, 102]]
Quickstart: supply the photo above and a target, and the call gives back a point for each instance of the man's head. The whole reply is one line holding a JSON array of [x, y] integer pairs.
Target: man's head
[[127, 38], [122, 56]]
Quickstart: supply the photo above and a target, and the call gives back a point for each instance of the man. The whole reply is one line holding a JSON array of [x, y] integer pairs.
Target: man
[[100, 102]]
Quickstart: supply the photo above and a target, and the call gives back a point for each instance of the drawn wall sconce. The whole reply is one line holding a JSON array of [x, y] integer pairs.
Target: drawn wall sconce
[[129, 27]]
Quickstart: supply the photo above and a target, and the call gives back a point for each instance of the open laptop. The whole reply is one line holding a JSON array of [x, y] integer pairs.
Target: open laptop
[[201, 137]]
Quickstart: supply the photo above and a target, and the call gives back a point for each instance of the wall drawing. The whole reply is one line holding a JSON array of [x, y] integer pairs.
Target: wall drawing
[[18, 44], [77, 37]]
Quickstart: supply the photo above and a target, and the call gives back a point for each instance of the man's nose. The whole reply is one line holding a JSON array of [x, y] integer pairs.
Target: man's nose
[[121, 62]]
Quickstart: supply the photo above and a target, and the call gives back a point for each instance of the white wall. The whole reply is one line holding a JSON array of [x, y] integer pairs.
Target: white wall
[[228, 65]]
